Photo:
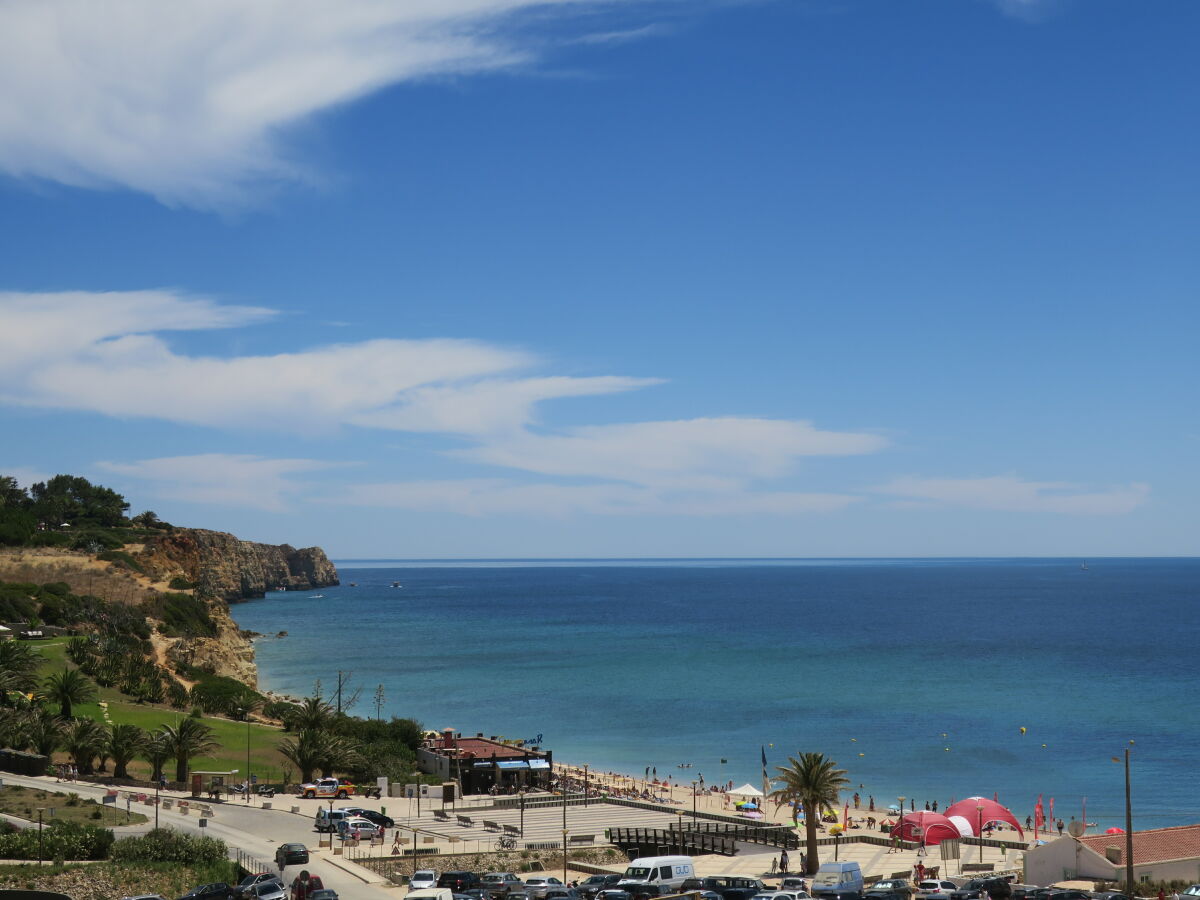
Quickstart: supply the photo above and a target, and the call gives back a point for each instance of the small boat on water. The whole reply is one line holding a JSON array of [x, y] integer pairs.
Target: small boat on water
[[1083, 566], [317, 597], [397, 584]]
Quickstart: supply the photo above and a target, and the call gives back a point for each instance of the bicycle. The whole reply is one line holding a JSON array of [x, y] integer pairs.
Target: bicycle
[[506, 842]]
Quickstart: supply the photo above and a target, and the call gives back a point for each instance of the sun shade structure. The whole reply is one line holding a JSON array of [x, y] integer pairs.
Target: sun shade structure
[[968, 810], [746, 790], [933, 827]]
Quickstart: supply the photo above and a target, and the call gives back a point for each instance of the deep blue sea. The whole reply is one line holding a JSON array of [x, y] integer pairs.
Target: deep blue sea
[[914, 675]]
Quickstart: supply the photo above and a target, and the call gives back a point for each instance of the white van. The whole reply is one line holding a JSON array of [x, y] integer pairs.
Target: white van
[[430, 894], [327, 820], [665, 871]]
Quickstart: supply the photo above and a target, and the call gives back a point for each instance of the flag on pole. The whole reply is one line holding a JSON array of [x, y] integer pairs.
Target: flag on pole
[[1085, 814], [1039, 818], [766, 780], [1051, 824], [846, 817]]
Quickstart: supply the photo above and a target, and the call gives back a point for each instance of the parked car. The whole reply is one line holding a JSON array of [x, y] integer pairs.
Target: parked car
[[536, 887], [323, 894], [613, 894], [778, 895], [501, 884], [593, 884], [972, 890], [291, 855], [563, 893], [422, 879], [267, 890], [935, 889], [365, 828], [793, 883], [217, 891], [729, 887], [1190, 893], [374, 815], [1117, 895], [838, 881], [459, 882], [891, 886], [242, 887], [476, 893], [304, 885], [1070, 894]]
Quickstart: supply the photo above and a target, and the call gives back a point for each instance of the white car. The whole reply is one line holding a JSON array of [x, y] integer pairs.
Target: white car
[[423, 879], [267, 890], [934, 889]]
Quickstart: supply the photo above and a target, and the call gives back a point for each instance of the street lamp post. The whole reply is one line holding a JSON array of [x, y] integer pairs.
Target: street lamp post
[[41, 809], [521, 795], [679, 812], [585, 784], [693, 804], [247, 712], [979, 810], [1128, 831]]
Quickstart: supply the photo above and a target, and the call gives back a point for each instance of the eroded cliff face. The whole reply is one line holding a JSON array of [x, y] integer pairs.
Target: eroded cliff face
[[221, 566]]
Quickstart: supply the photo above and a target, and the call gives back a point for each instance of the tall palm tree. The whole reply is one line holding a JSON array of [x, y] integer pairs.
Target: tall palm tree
[[314, 714], [156, 751], [125, 743], [18, 668], [14, 729], [68, 687], [84, 739], [814, 782], [189, 738], [45, 732], [305, 752], [338, 754]]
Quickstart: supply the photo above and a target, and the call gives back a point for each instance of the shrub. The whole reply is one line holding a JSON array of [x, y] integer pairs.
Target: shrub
[[179, 583], [65, 840], [121, 558], [50, 539], [166, 845], [182, 615], [96, 541]]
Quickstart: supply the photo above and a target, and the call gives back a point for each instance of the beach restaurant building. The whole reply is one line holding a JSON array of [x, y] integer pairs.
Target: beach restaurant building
[[479, 764], [1159, 854]]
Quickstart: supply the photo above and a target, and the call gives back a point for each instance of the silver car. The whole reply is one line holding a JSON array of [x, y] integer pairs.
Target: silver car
[[536, 887]]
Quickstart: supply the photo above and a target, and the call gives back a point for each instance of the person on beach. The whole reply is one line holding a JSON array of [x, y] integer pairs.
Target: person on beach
[[871, 805], [774, 864], [783, 862], [935, 806], [919, 872], [857, 799], [1060, 827]]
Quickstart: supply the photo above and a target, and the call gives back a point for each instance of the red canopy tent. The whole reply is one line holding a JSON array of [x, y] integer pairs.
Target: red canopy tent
[[934, 827], [968, 811]]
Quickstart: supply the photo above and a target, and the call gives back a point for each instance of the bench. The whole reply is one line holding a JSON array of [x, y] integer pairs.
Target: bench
[[582, 839], [512, 829], [441, 815], [465, 821], [490, 826], [979, 867]]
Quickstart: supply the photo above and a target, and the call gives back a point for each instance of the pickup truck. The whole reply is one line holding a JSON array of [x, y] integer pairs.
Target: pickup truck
[[327, 787]]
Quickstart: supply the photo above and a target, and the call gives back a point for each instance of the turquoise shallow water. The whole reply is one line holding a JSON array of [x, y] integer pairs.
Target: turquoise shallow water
[[628, 664]]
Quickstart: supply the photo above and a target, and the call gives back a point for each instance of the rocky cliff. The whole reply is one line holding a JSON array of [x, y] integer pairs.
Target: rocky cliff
[[221, 566]]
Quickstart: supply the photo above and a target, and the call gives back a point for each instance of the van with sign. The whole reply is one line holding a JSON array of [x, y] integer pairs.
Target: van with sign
[[664, 871]]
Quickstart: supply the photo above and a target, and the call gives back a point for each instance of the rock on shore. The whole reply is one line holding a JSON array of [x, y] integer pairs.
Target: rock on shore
[[221, 565]]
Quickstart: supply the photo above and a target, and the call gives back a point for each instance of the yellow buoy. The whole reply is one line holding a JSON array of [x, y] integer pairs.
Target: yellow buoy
[[1022, 729], [1043, 745]]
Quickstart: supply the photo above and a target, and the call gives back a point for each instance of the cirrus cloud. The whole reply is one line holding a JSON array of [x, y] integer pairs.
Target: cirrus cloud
[[192, 100], [1008, 493]]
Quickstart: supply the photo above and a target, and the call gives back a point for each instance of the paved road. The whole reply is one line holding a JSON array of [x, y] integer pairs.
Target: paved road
[[253, 830]]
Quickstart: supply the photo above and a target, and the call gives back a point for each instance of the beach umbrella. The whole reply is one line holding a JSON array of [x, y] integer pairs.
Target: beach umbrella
[[1114, 830], [968, 809], [934, 827]]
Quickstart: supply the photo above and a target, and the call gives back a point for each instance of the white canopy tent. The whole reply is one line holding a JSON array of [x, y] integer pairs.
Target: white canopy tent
[[746, 790]]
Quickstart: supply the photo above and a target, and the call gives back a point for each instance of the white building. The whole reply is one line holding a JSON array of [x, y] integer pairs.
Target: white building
[[1160, 854]]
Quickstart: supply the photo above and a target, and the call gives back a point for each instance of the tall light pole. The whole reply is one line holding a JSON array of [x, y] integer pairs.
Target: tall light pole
[[979, 810], [585, 784], [1128, 831], [521, 795], [41, 809], [899, 820], [247, 712], [693, 804]]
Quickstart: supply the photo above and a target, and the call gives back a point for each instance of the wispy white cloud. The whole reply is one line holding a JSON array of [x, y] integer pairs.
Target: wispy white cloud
[[222, 479], [97, 352], [192, 100], [622, 36], [487, 497], [1012, 494], [1029, 10], [706, 453]]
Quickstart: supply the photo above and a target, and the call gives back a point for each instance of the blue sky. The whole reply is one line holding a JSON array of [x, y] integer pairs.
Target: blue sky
[[500, 278]]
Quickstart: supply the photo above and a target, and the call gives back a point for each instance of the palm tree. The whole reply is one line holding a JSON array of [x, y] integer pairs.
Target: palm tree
[[125, 742], [814, 782], [305, 752], [189, 738], [18, 668], [338, 754], [14, 729], [45, 733], [68, 687], [84, 739], [156, 751], [314, 714]]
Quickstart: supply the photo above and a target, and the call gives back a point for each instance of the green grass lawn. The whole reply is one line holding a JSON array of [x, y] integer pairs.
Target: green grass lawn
[[24, 803], [265, 762]]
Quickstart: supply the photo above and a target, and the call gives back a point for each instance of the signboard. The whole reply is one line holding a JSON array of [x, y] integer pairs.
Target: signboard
[[951, 849]]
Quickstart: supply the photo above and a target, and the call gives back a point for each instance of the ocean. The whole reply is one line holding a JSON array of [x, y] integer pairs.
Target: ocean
[[916, 676]]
